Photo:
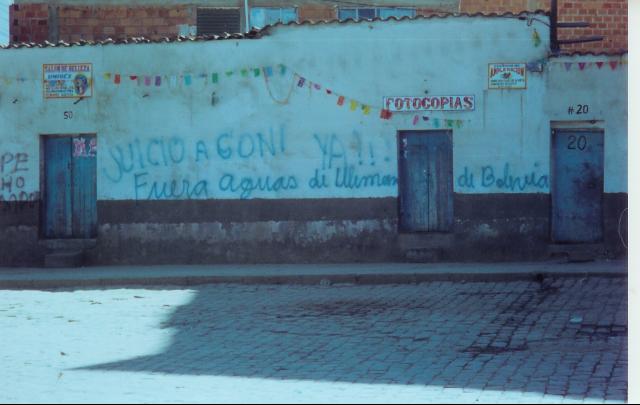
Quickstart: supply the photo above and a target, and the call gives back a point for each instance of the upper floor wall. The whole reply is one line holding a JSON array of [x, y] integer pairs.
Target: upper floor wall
[[74, 20]]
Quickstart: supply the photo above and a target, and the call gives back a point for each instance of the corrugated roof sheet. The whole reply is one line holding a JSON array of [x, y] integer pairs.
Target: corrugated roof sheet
[[257, 33]]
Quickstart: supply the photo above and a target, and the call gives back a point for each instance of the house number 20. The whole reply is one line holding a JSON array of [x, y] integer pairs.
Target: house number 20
[[577, 142]]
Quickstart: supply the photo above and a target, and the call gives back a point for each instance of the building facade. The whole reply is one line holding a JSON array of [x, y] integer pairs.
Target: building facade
[[422, 139], [75, 20]]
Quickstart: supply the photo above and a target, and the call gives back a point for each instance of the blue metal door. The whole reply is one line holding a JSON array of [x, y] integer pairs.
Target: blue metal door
[[57, 204], [70, 187], [84, 191], [426, 181], [578, 185]]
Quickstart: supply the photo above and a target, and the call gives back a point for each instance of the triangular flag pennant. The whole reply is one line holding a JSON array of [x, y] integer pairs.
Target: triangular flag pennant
[[173, 81], [599, 64], [449, 123], [366, 109], [613, 64], [436, 123], [133, 77], [341, 100], [229, 73], [301, 82], [425, 118], [567, 65], [187, 80], [328, 91], [158, 80], [116, 79], [353, 105], [147, 80], [459, 123], [214, 78], [416, 119], [256, 72], [316, 86], [107, 76], [268, 71], [385, 114], [244, 73], [283, 69], [581, 65]]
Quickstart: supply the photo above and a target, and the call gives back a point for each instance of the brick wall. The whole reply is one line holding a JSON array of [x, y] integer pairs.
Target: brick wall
[[28, 22], [96, 23], [607, 18], [36, 22], [31, 22], [317, 13]]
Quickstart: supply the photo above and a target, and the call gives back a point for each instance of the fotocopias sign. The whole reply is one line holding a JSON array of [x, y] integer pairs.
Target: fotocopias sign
[[431, 103]]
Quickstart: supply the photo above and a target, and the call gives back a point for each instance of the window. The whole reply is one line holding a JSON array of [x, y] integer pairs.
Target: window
[[370, 13], [218, 21], [262, 16]]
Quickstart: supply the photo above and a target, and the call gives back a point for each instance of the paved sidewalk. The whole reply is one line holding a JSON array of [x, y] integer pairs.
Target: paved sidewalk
[[369, 273], [560, 341]]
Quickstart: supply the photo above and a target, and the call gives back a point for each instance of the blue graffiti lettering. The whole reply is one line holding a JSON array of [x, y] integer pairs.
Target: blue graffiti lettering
[[247, 185]]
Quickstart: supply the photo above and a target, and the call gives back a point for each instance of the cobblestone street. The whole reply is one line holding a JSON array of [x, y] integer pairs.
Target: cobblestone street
[[562, 340]]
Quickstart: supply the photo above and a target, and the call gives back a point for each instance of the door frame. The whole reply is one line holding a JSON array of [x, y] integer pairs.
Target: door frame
[[424, 132], [43, 177], [574, 126]]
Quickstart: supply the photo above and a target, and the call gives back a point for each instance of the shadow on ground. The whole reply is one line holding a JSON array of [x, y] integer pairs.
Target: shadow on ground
[[567, 337]]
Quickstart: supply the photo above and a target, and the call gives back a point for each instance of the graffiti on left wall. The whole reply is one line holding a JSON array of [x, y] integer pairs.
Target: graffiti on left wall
[[14, 167]]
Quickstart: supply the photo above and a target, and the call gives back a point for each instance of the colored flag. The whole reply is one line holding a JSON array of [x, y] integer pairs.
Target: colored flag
[[415, 120], [449, 123], [173, 81], [147, 80], [599, 64], [385, 114], [116, 80], [328, 91], [283, 69], [316, 86], [244, 73], [459, 123], [107, 76], [214, 78], [366, 109], [436, 123], [256, 72], [567, 65], [425, 118], [353, 105], [341, 100], [187, 80], [158, 80], [613, 64], [268, 71], [581, 65], [301, 82], [133, 77]]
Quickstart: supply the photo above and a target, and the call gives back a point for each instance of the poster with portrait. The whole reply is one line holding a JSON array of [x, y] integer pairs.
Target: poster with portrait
[[67, 80]]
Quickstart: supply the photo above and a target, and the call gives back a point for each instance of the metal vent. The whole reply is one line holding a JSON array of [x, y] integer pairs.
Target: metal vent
[[218, 21]]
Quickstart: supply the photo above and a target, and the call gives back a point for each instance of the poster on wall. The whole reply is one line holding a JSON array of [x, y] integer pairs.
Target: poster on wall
[[67, 80], [431, 103], [507, 76]]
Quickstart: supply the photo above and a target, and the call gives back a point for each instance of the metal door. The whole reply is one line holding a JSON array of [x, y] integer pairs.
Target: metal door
[[70, 187], [426, 181], [578, 185]]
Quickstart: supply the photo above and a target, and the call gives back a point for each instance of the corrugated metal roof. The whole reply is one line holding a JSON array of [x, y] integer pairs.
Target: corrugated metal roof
[[257, 33]]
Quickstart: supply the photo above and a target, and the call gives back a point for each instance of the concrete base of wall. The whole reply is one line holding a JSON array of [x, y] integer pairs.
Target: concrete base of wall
[[490, 227]]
